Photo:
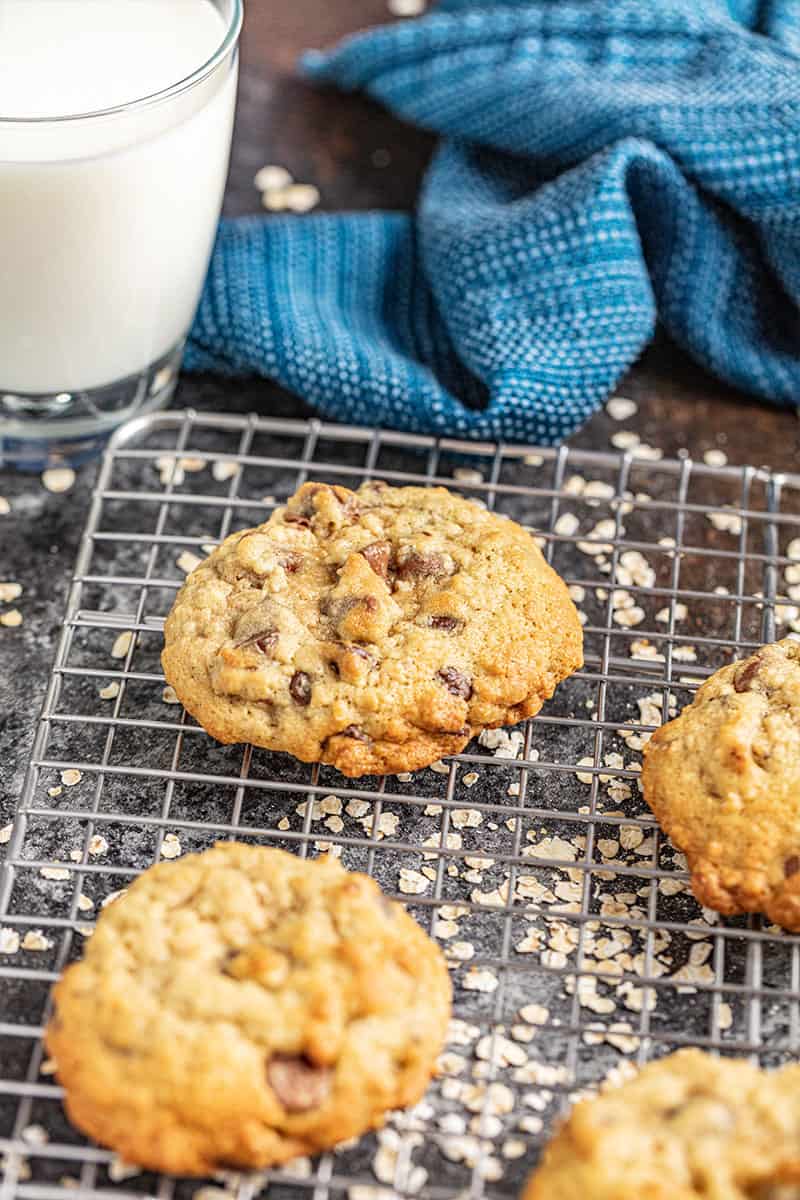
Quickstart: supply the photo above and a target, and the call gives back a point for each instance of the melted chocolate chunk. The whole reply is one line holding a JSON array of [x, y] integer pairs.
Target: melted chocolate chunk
[[791, 866], [456, 682], [378, 555], [352, 731], [298, 1083], [300, 688], [296, 519], [421, 566], [292, 563], [448, 624], [265, 641], [746, 675]]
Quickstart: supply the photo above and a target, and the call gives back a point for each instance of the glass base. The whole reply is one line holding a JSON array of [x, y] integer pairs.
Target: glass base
[[68, 428]]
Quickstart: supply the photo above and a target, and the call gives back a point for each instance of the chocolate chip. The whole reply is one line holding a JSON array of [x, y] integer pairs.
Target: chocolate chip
[[298, 1083], [448, 624], [352, 731], [791, 866], [378, 555], [300, 688], [266, 641], [456, 682], [414, 565], [296, 519], [292, 563], [745, 676]]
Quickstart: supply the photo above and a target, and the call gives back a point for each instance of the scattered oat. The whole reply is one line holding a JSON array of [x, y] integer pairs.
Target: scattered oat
[[272, 178], [470, 779], [726, 521], [57, 873], [480, 979], [715, 458], [11, 619], [71, 776], [58, 479], [412, 883], [620, 408], [9, 592], [5, 507], [628, 617], [407, 8], [112, 896], [187, 561], [440, 768], [222, 470], [119, 1170], [5, 833], [97, 844], [55, 791], [110, 691], [122, 644], [171, 846], [468, 475], [9, 940], [681, 613], [724, 1016], [300, 197], [85, 903], [626, 439], [169, 470], [34, 939], [567, 524], [35, 1135], [169, 695]]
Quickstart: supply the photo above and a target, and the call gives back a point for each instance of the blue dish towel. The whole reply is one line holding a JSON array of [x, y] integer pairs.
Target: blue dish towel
[[603, 163]]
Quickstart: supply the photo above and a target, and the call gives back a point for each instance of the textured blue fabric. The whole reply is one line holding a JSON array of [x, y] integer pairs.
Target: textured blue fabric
[[604, 163]]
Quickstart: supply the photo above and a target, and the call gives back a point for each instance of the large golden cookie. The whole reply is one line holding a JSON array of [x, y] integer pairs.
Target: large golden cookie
[[689, 1127], [244, 1006], [723, 780], [375, 630]]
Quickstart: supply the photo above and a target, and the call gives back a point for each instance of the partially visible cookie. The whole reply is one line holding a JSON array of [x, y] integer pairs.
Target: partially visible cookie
[[374, 630], [241, 1007], [723, 780], [689, 1127]]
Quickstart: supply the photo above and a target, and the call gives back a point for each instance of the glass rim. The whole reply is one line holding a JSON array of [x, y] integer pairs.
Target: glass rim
[[202, 72]]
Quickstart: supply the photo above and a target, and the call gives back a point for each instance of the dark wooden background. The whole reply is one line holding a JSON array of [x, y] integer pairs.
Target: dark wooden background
[[360, 158]]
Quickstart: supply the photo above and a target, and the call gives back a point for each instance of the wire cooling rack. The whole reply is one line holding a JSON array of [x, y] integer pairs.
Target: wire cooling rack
[[575, 946]]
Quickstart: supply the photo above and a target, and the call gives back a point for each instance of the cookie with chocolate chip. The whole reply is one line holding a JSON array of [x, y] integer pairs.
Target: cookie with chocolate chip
[[687, 1127], [241, 1007], [723, 780], [374, 630]]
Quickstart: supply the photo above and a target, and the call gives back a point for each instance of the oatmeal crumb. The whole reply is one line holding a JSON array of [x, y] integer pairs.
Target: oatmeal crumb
[[58, 479], [169, 695], [11, 619], [34, 939], [97, 844], [5, 833], [122, 644], [71, 776], [10, 591], [110, 691], [186, 561], [171, 846], [54, 873]]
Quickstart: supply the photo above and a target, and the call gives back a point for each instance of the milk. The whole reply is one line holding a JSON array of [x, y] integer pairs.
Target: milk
[[106, 221]]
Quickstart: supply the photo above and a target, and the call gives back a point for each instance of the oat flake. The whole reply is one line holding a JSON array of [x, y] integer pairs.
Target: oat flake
[[71, 776], [5, 833], [11, 619], [122, 644], [58, 479], [171, 846], [9, 592]]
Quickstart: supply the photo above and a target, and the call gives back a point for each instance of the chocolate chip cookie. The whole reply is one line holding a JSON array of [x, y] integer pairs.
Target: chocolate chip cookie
[[374, 630], [723, 780], [242, 1007], [688, 1126]]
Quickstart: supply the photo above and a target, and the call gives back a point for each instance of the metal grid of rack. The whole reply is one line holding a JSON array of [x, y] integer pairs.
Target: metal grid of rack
[[574, 943]]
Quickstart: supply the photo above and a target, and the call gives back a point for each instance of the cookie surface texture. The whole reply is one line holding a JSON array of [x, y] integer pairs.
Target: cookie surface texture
[[690, 1126], [373, 630], [723, 780], [244, 1006]]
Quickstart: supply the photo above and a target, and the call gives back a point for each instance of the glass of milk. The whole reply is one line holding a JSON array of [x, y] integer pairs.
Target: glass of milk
[[115, 130]]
